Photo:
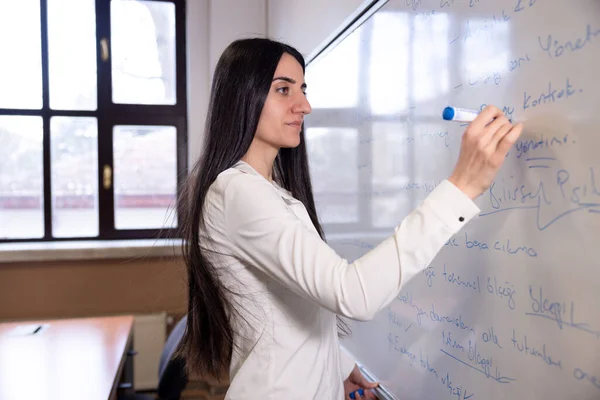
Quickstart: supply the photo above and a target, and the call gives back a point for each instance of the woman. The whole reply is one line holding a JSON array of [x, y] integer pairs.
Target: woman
[[264, 287]]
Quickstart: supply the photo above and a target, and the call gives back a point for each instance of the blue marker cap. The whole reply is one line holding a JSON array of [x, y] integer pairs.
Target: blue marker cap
[[352, 395], [448, 113]]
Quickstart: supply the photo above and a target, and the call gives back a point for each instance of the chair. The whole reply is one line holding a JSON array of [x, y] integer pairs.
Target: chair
[[172, 377]]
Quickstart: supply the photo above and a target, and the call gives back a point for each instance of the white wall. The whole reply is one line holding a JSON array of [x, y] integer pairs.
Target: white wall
[[211, 26], [305, 24], [234, 19], [198, 84]]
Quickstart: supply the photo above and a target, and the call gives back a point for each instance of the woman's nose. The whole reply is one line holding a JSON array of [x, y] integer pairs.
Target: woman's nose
[[302, 105]]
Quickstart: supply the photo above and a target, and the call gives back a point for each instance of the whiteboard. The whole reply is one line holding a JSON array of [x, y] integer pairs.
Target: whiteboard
[[510, 308]]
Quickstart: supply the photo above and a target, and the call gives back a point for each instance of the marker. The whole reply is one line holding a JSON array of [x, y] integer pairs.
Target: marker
[[459, 114]]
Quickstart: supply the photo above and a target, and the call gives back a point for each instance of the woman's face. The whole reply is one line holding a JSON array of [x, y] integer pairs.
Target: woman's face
[[286, 105]]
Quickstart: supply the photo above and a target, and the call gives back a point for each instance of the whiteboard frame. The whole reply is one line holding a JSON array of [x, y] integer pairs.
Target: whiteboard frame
[[354, 20]]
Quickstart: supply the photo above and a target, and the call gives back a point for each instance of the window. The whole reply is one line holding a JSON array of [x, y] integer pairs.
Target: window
[[368, 126], [92, 118]]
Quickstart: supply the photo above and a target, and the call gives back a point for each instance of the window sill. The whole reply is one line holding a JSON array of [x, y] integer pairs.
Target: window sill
[[88, 250]]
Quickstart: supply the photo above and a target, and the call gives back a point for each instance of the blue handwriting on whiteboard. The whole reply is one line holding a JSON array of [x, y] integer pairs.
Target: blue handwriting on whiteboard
[[507, 110], [424, 186], [502, 194], [525, 146], [470, 244], [393, 318], [579, 193], [414, 4], [448, 341], [480, 28], [542, 306], [507, 248], [503, 246], [480, 361], [496, 76], [486, 78], [580, 375], [555, 48], [503, 18], [452, 242], [497, 376], [551, 96], [435, 135], [505, 290], [575, 196], [426, 15], [489, 23], [394, 343], [429, 272], [520, 6], [514, 64], [457, 390], [454, 279], [524, 347], [411, 186], [456, 321], [408, 300], [490, 336]]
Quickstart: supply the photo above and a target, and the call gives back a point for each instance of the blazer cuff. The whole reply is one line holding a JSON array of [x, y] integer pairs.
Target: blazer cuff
[[451, 205]]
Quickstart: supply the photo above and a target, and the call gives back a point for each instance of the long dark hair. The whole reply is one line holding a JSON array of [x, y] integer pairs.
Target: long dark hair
[[240, 86]]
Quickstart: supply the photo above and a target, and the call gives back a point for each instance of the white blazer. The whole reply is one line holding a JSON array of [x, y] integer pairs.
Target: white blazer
[[289, 284]]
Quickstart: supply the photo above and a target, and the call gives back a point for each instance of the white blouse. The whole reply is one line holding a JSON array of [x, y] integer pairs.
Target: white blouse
[[289, 284]]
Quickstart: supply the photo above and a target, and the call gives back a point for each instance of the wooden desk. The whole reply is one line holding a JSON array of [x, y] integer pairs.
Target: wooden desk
[[66, 359]]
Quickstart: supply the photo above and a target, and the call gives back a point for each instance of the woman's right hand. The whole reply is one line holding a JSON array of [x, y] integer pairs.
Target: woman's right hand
[[484, 146]]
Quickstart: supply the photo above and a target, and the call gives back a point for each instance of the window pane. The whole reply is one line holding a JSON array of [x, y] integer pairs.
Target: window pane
[[21, 178], [72, 54], [20, 46], [389, 83], [324, 92], [433, 139], [145, 171], [430, 67], [483, 68], [391, 180], [74, 158], [143, 52], [333, 160]]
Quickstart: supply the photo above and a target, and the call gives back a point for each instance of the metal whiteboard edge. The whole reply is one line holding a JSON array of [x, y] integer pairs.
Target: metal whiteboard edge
[[382, 392], [354, 20]]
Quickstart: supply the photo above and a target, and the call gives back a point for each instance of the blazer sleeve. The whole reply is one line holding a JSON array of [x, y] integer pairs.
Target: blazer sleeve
[[267, 235]]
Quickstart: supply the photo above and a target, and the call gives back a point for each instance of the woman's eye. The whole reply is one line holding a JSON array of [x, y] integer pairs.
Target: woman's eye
[[284, 90]]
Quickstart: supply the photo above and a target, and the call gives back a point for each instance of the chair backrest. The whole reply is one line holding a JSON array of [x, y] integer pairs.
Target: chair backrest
[[172, 377]]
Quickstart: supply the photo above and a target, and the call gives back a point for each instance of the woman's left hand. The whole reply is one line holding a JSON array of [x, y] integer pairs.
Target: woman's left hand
[[356, 383]]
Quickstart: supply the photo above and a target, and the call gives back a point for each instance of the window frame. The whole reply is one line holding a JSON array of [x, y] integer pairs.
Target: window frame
[[108, 115], [346, 117]]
